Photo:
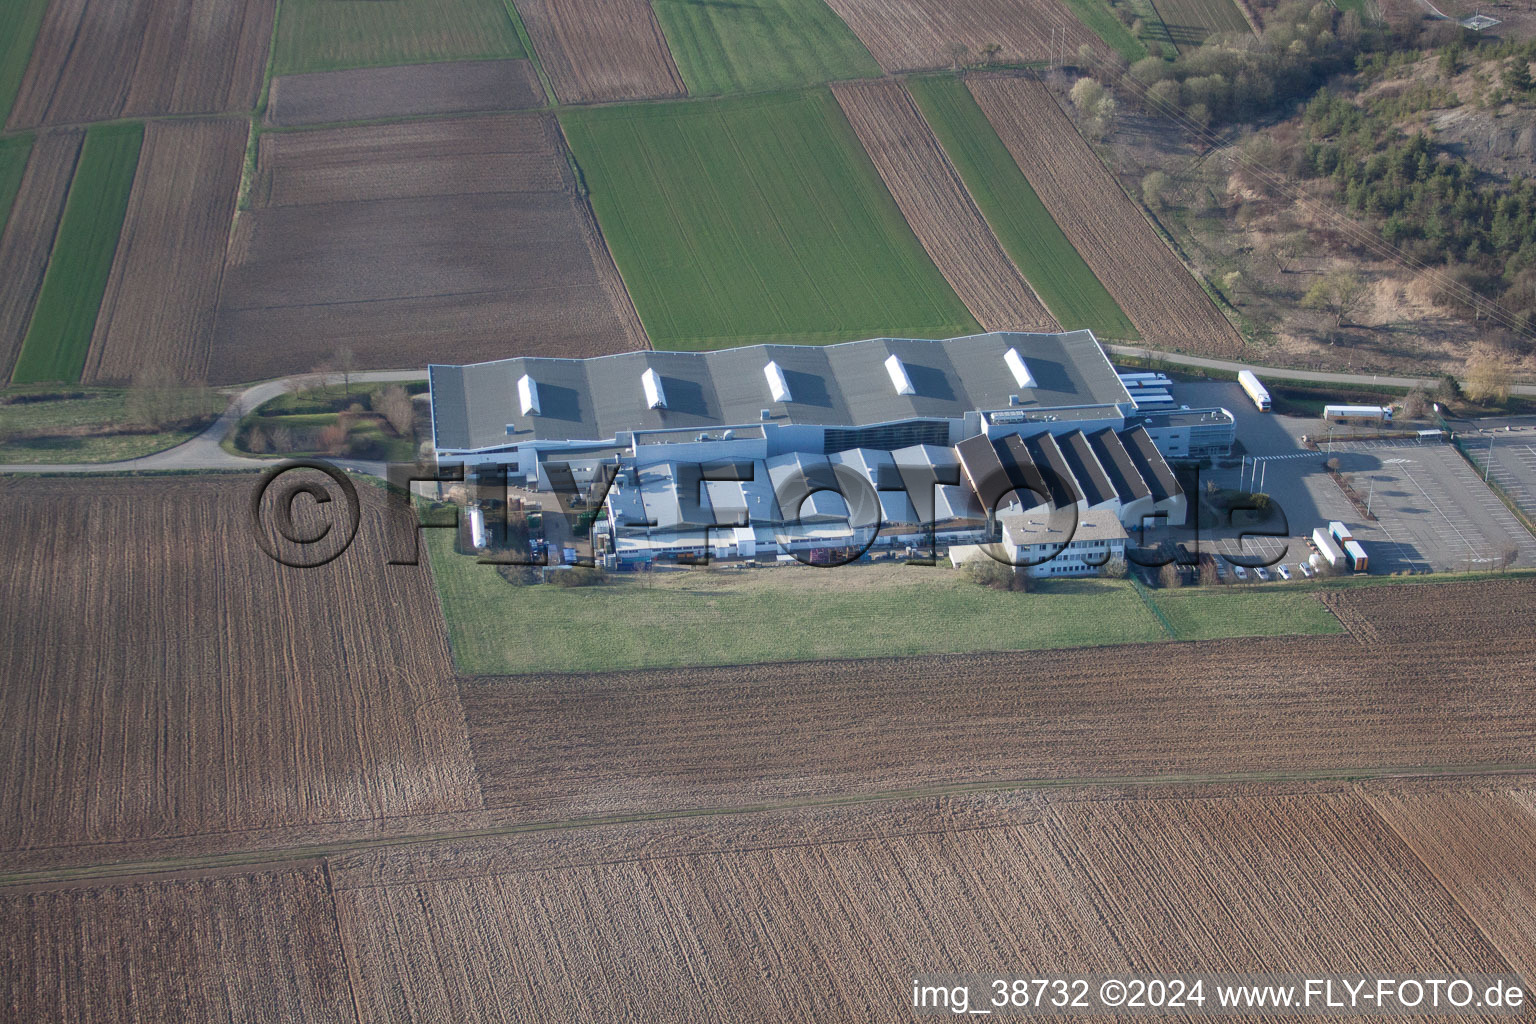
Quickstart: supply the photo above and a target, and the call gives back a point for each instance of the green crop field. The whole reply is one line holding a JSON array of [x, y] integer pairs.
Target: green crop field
[[24, 17], [756, 219], [59, 335], [328, 35], [1191, 22], [13, 164], [724, 46], [1058, 274], [1102, 21]]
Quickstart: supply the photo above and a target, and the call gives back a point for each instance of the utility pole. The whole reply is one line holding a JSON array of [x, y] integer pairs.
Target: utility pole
[[1488, 467], [1370, 497], [1263, 472]]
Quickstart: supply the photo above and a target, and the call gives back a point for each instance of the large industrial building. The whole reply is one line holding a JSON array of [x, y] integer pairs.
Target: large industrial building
[[814, 447]]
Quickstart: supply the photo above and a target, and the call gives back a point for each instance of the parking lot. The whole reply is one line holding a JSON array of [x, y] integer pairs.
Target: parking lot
[[1509, 458], [1433, 513]]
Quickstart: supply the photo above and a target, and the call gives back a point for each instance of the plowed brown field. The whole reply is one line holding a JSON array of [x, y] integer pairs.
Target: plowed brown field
[[95, 60], [1149, 282], [438, 241], [580, 745], [814, 916], [1481, 845], [939, 209], [28, 238], [1493, 614], [239, 949], [602, 49], [161, 676], [159, 305], [907, 35], [414, 90]]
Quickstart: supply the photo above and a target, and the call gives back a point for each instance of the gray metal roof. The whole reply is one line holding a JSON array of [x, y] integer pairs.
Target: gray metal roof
[[845, 385]]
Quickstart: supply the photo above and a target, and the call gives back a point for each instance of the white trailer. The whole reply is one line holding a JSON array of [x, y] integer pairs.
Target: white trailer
[[1328, 548], [1338, 531], [476, 527], [1361, 413], [1256, 391]]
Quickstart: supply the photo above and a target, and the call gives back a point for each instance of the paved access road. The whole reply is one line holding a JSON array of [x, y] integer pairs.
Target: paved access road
[[1318, 376], [205, 452]]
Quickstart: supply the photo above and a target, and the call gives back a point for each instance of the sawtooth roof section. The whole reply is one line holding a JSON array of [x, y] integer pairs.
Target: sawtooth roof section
[[1117, 463], [1154, 468], [1091, 477]]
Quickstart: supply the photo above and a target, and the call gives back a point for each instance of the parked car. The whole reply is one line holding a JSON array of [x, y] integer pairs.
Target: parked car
[[1242, 573], [1221, 574], [1306, 570], [1285, 573], [1261, 573]]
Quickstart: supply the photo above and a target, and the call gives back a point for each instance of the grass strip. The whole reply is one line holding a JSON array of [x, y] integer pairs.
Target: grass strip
[[757, 45], [1028, 233], [25, 18], [13, 164], [59, 335]]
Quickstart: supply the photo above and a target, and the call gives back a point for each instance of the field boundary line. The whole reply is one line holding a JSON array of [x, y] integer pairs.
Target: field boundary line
[[1450, 893], [311, 851], [550, 99], [1146, 599]]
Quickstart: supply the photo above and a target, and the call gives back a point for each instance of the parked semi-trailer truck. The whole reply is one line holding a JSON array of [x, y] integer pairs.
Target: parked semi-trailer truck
[[1329, 548], [1256, 391], [1354, 554], [1357, 413]]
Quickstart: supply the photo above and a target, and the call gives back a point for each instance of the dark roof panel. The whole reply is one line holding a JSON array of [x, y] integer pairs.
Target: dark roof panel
[[1154, 468], [1117, 463], [1091, 476]]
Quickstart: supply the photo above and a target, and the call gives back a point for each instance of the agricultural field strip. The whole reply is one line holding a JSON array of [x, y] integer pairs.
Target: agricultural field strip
[[401, 93], [97, 60], [321, 36], [1408, 619], [1228, 884], [938, 208], [271, 855], [158, 308], [29, 235], [375, 260], [911, 35], [1481, 846], [1150, 283], [64, 315], [1055, 270], [757, 45], [789, 233], [326, 710], [166, 948], [635, 62], [1191, 22]]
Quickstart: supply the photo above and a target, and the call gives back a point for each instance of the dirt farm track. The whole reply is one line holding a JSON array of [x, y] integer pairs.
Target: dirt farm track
[[277, 765]]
